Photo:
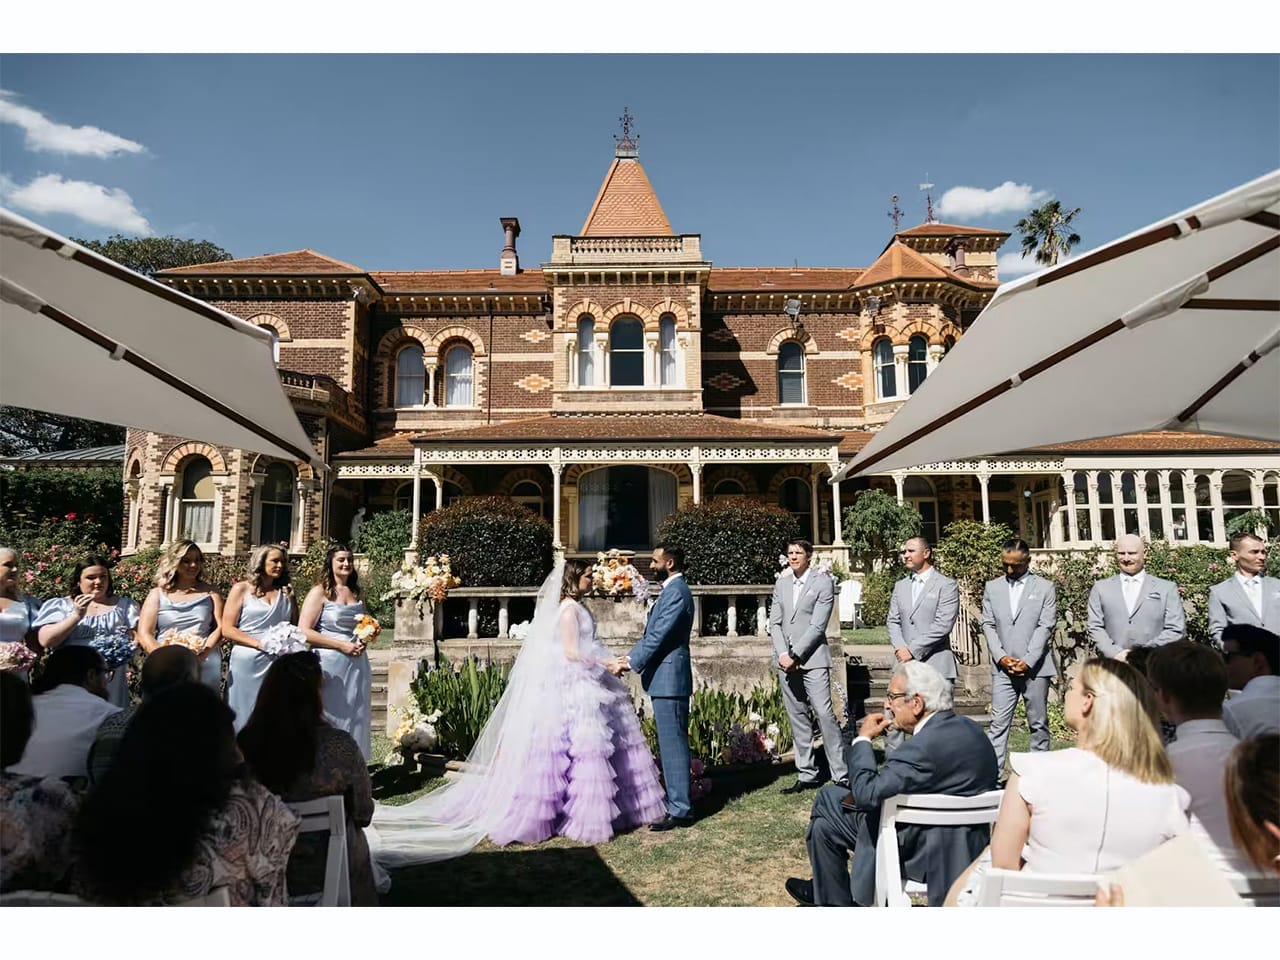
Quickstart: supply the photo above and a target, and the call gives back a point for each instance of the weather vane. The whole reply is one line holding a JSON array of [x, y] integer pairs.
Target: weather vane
[[928, 199], [626, 145], [895, 214]]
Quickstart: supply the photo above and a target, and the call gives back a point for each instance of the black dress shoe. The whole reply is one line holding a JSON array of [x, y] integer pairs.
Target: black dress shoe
[[800, 786], [670, 823], [801, 891]]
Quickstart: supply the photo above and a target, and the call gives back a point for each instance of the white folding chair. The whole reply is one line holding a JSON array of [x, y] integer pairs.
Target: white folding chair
[[41, 898], [1256, 890], [1017, 888], [928, 809], [327, 815]]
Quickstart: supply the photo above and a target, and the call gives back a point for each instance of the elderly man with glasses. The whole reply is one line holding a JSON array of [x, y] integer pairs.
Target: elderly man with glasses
[[946, 753]]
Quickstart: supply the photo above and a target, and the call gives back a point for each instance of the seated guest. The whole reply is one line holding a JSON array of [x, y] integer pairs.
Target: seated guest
[[35, 812], [295, 752], [1097, 806], [1190, 682], [1138, 658], [70, 704], [176, 817], [1253, 668], [946, 753], [166, 667], [1253, 800]]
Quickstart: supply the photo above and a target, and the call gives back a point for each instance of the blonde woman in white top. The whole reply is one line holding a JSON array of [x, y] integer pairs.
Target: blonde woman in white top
[[1097, 806]]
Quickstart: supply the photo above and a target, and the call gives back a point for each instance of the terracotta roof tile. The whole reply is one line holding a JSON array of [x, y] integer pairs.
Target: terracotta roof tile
[[724, 279], [624, 427], [1171, 440], [900, 262], [626, 205], [458, 281], [947, 230], [396, 445], [295, 261], [852, 442]]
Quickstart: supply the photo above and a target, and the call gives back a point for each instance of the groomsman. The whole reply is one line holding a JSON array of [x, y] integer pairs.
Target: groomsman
[[922, 611], [1133, 608], [1246, 596], [1019, 615]]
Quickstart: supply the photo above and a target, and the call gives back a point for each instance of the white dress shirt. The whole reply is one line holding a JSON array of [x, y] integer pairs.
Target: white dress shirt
[[1199, 759], [66, 721], [797, 587], [1131, 587], [917, 584], [1252, 587], [1255, 710], [1016, 589]]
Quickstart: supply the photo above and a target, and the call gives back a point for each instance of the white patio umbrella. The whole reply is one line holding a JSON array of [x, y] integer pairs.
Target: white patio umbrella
[[84, 337], [1174, 327]]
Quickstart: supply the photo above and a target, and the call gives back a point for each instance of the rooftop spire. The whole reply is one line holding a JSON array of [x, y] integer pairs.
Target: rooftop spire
[[626, 147]]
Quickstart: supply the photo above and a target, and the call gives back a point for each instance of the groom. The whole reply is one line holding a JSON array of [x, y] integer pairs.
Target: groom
[[661, 657]]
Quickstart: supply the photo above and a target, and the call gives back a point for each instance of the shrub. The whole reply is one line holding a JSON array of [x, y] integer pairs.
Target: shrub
[[385, 536], [877, 589], [1194, 568], [30, 497], [135, 576], [465, 698], [969, 553], [491, 542], [876, 525], [730, 541], [49, 549]]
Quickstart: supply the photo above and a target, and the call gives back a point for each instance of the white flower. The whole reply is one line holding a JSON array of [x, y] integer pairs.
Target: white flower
[[769, 744], [754, 717], [772, 730], [282, 638]]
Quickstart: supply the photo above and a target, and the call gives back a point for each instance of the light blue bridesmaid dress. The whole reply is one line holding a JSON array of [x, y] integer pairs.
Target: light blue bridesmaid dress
[[193, 614], [249, 666], [15, 620], [104, 631], [346, 679]]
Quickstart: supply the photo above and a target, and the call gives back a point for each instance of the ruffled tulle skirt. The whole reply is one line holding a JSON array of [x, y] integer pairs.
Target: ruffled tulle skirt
[[590, 778]]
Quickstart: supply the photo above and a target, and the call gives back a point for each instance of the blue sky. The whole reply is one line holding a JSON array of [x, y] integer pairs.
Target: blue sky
[[408, 161]]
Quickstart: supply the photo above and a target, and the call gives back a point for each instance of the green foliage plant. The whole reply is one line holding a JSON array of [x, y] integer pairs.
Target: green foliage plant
[[713, 714], [465, 697], [385, 536], [877, 590], [28, 497], [730, 542], [876, 525], [490, 541], [969, 553]]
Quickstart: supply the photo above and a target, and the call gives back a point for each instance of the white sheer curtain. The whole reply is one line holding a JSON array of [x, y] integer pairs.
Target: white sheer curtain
[[667, 344], [593, 510], [457, 374], [662, 499], [586, 351], [197, 521]]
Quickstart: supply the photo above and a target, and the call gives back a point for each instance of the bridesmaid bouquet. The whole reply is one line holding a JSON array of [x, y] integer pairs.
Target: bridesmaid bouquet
[[15, 656], [187, 638], [116, 648], [282, 638], [615, 577], [367, 629]]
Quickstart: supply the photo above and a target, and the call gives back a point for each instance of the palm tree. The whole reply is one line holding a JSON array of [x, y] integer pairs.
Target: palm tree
[[1046, 232]]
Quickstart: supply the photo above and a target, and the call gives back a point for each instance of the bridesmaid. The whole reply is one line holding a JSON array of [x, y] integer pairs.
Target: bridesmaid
[[94, 617], [253, 606], [17, 609], [182, 601], [328, 619]]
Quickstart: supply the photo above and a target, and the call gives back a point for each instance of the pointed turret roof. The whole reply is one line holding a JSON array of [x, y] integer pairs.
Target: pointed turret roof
[[900, 262], [304, 261], [626, 205]]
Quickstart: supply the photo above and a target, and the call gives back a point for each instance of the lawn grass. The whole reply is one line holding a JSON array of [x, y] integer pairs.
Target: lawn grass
[[864, 635]]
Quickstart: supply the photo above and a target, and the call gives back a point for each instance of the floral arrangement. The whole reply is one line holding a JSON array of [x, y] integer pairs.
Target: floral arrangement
[[116, 648], [754, 743], [283, 638], [367, 630], [188, 638], [425, 583], [699, 783], [614, 576], [415, 732], [16, 656]]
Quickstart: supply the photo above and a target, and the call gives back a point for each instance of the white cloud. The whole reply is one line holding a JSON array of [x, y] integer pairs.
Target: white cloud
[[90, 202], [51, 137], [1012, 265], [972, 202]]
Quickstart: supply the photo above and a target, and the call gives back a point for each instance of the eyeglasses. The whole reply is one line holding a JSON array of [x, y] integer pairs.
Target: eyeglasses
[[891, 696]]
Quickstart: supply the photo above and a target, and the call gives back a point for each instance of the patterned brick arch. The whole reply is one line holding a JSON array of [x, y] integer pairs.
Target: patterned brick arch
[[275, 323], [786, 473], [456, 332], [628, 307], [677, 310], [261, 461], [541, 477], [185, 451], [935, 332], [450, 475], [391, 341], [586, 305], [680, 470], [744, 477], [786, 333]]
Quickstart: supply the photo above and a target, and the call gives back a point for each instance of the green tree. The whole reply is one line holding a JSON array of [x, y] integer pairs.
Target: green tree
[[24, 431], [1046, 232], [875, 526], [150, 255]]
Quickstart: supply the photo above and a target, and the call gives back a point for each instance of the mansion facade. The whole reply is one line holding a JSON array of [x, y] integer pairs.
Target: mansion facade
[[627, 376]]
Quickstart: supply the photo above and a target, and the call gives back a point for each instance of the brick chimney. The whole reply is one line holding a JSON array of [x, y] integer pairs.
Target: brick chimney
[[957, 257], [510, 262]]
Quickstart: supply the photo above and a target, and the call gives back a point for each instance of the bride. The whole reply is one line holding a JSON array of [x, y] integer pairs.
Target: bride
[[562, 752]]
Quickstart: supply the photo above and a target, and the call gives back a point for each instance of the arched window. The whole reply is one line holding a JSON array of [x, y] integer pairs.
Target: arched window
[[275, 340], [1237, 495], [195, 507], [668, 374], [275, 517], [626, 353], [1129, 501], [886, 378], [586, 350], [791, 373], [1106, 501], [919, 492], [1155, 519], [1204, 509], [1178, 499], [411, 377], [794, 497], [917, 362], [1084, 528], [457, 377], [529, 494], [728, 488]]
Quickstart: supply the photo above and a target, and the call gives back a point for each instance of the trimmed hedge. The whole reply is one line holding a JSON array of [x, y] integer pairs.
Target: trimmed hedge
[[735, 541], [491, 542], [30, 498]]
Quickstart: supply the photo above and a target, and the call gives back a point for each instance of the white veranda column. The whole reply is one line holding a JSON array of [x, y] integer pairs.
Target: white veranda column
[[1069, 492], [984, 479], [1215, 498], [695, 469], [431, 383], [417, 505], [836, 520], [558, 542], [899, 480]]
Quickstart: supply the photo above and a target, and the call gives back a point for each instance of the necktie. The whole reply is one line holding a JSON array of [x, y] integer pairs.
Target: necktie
[[916, 583], [1015, 596], [797, 588], [1130, 587], [1254, 594]]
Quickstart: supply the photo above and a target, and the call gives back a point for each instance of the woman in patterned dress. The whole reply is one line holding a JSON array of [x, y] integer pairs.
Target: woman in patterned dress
[[183, 602], [254, 606]]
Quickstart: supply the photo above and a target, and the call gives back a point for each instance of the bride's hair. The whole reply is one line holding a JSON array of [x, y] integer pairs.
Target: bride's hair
[[573, 571]]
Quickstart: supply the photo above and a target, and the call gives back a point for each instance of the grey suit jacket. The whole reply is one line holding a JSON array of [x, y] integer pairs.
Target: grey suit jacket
[[1028, 634], [801, 628], [1228, 604], [925, 627], [1157, 619]]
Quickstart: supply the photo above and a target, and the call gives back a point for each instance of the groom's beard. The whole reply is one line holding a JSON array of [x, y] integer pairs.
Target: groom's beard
[[660, 574]]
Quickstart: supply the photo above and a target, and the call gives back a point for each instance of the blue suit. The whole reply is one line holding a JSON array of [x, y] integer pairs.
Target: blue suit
[[661, 658]]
